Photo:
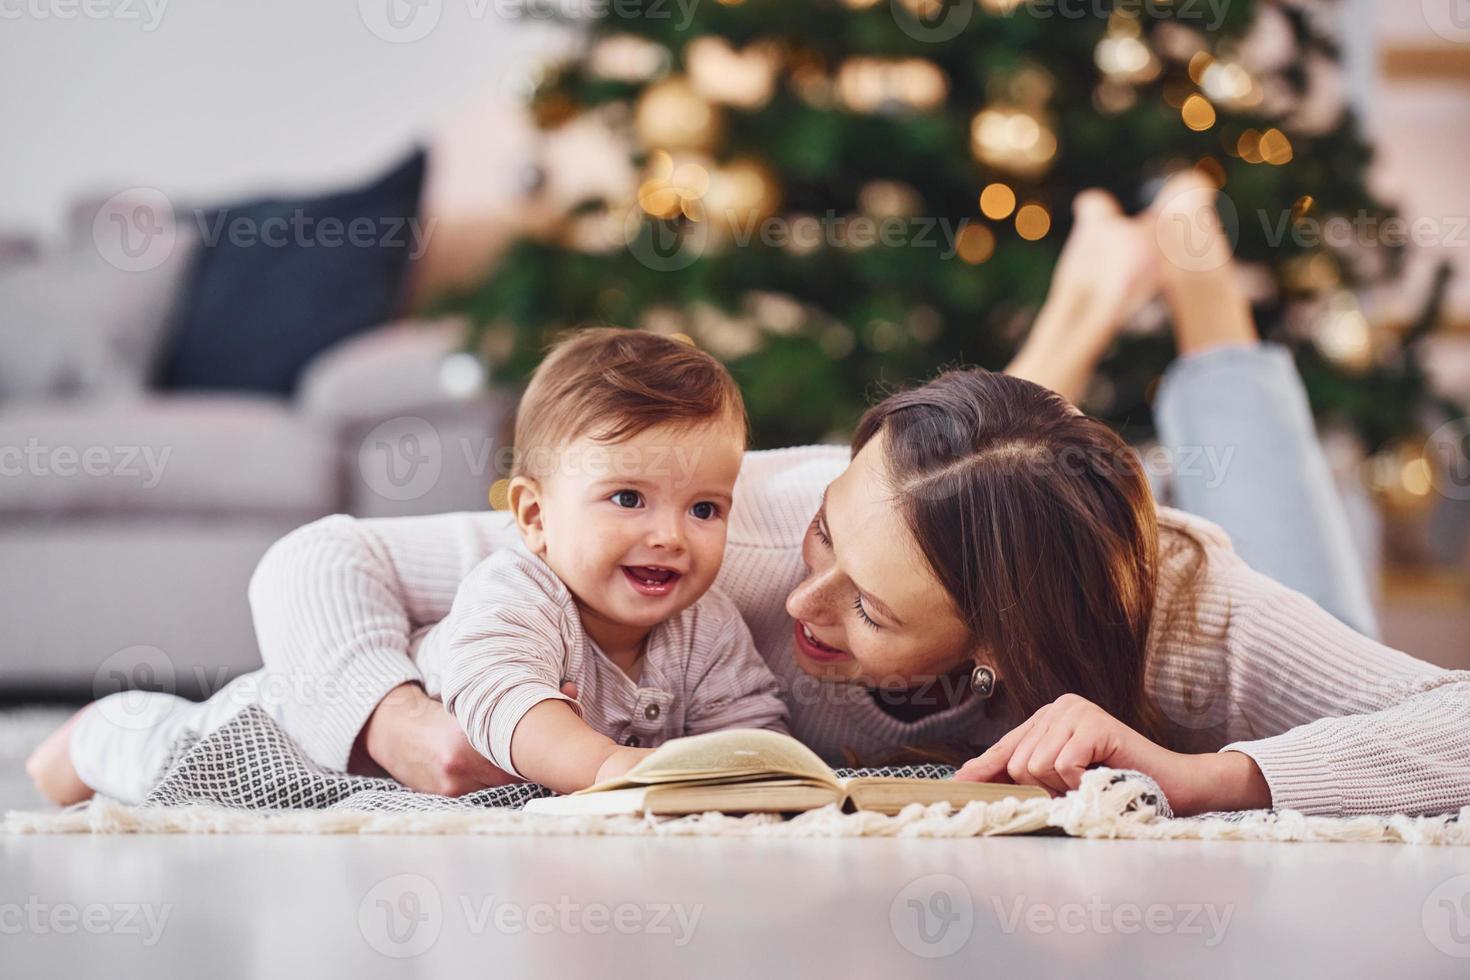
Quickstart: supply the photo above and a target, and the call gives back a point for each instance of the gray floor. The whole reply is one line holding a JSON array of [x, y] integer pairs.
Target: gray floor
[[393, 906], [364, 907]]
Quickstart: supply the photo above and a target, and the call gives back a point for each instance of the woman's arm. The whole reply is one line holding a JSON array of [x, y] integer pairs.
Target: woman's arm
[[1340, 725], [334, 603], [1337, 722]]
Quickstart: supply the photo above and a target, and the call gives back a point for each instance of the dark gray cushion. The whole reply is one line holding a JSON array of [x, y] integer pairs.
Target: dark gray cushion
[[276, 282]]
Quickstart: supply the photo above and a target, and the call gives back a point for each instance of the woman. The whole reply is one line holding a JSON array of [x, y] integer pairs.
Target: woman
[[989, 569]]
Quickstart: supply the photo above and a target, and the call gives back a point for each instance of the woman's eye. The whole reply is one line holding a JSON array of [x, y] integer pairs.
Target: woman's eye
[[627, 498], [817, 530], [705, 511]]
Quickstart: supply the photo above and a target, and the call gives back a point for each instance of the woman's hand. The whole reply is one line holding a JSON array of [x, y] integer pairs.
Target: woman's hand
[[1056, 745], [418, 743]]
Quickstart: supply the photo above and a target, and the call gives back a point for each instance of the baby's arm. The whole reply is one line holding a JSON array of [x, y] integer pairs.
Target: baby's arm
[[736, 689], [502, 661], [556, 748]]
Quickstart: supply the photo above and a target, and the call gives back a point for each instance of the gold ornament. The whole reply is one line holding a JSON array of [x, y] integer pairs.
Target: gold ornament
[[1344, 335], [889, 199], [671, 115], [673, 185], [734, 196], [1013, 139], [888, 85], [1126, 58], [627, 58], [1402, 478], [744, 79], [742, 193]]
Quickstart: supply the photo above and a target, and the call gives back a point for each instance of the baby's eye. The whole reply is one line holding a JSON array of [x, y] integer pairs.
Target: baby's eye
[[705, 510], [627, 498]]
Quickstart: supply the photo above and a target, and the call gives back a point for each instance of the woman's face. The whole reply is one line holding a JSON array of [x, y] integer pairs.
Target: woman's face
[[871, 611]]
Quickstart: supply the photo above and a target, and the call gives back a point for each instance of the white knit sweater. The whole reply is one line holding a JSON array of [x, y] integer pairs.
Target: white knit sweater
[[1338, 723]]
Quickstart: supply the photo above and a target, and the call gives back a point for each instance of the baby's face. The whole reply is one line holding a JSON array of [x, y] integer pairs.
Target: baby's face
[[636, 529]]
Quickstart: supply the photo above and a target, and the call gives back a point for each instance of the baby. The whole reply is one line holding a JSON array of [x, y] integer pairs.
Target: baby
[[628, 445]]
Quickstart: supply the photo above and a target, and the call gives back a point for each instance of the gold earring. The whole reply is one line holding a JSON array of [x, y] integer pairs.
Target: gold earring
[[982, 681]]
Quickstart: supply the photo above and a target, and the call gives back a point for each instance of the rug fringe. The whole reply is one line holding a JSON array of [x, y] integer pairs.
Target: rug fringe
[[1106, 806]]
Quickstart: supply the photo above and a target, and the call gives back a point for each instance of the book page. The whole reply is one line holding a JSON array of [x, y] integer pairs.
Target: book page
[[733, 753]]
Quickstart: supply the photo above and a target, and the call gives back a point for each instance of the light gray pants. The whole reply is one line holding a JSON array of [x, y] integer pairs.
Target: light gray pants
[[1241, 415]]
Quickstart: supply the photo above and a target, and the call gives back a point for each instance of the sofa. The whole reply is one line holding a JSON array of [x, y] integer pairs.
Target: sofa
[[132, 515]]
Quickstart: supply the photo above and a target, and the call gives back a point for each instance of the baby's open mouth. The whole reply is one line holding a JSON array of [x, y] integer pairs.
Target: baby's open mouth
[[652, 580]]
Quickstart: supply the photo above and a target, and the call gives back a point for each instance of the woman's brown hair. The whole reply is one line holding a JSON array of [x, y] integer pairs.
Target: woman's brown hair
[[1040, 525]]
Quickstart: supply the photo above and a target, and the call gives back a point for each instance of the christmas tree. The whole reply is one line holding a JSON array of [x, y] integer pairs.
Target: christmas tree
[[835, 195]]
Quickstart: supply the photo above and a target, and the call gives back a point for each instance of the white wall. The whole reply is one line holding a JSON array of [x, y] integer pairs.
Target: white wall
[[229, 97]]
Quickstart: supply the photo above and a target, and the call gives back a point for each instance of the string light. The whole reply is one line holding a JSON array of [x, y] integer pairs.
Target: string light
[[1012, 139], [1275, 148], [997, 201], [880, 84], [975, 244], [1032, 222], [1198, 114]]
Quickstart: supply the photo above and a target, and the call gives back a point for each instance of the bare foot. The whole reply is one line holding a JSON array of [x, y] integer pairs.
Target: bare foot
[[1197, 268], [50, 768], [1107, 271]]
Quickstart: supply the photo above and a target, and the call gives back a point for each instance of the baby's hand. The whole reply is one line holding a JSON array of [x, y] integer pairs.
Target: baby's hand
[[622, 759]]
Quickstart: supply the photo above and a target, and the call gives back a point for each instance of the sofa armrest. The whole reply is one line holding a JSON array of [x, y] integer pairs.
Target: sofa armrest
[[414, 437], [393, 370]]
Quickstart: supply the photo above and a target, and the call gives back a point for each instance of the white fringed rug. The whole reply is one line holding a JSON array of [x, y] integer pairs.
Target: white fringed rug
[[1105, 807], [248, 777]]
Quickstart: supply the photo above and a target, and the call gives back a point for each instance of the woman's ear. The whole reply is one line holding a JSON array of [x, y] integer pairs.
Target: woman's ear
[[524, 497]]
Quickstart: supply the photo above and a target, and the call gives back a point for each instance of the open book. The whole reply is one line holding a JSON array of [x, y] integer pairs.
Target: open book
[[747, 770]]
